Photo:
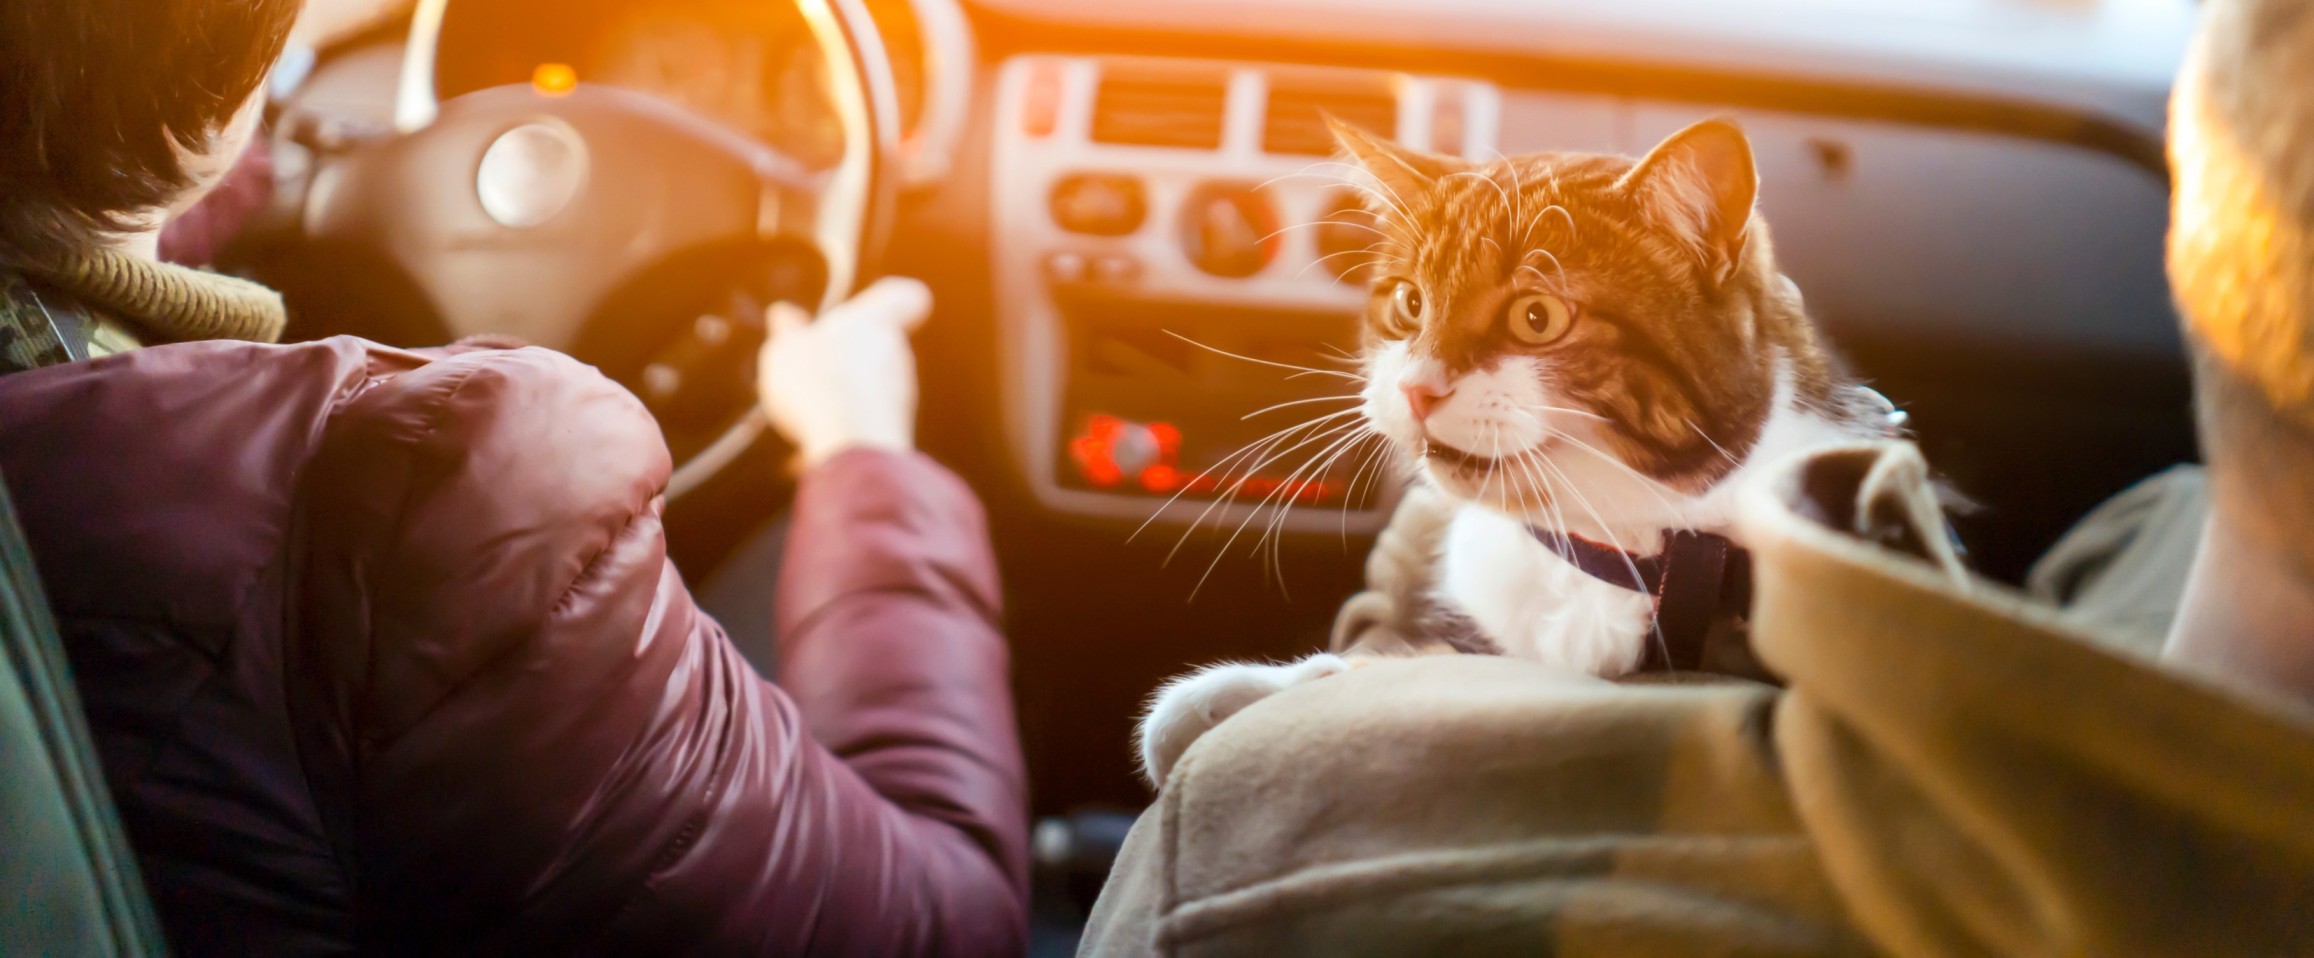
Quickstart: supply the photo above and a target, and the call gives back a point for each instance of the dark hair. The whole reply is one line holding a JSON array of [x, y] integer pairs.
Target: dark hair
[[95, 96]]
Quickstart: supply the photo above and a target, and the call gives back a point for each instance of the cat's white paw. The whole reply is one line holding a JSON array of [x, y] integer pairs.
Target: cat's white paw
[[1188, 706]]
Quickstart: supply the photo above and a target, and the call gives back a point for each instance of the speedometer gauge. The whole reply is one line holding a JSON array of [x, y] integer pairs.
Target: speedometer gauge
[[750, 66], [683, 60]]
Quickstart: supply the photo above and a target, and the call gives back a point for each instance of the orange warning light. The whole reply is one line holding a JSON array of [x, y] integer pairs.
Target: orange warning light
[[554, 79]]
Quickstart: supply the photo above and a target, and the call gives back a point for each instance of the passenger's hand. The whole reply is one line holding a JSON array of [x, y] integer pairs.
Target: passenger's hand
[[848, 378]]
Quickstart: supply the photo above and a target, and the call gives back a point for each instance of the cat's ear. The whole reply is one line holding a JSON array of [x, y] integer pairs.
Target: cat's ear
[[1402, 172], [1700, 183]]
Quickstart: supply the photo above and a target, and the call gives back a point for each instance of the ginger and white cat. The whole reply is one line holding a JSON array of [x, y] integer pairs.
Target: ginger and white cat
[[1590, 344]]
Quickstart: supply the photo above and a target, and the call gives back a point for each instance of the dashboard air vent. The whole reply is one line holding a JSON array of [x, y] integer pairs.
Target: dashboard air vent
[[1155, 106], [1295, 122]]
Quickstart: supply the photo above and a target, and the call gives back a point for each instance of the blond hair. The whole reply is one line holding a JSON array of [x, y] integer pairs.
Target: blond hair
[[2241, 245]]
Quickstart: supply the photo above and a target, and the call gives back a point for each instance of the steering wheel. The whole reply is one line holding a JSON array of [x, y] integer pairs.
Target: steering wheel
[[552, 211]]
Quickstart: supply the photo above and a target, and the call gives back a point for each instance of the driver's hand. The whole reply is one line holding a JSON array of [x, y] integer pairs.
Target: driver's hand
[[847, 378]]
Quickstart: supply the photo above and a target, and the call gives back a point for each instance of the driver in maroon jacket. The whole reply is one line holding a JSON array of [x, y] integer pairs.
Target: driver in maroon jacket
[[382, 649]]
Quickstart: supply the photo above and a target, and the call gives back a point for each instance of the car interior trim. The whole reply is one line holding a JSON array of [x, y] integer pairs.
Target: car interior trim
[[1849, 98]]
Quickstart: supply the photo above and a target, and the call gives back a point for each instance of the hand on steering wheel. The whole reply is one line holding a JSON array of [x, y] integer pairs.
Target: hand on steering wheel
[[848, 378]]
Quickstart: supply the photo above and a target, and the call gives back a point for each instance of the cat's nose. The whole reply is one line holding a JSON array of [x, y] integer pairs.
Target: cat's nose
[[1424, 397]]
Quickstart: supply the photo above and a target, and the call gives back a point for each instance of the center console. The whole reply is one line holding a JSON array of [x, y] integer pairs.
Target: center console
[[1178, 277]]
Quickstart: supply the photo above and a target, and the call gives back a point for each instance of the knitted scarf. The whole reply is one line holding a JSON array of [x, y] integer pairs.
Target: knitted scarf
[[97, 302]]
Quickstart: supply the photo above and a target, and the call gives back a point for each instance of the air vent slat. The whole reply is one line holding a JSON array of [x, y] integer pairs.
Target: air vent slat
[[1141, 107], [1295, 122]]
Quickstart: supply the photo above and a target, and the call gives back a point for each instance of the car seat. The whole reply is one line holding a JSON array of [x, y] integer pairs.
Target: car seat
[[68, 885]]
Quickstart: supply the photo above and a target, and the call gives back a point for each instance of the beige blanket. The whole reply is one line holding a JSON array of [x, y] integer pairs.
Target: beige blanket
[[1950, 773]]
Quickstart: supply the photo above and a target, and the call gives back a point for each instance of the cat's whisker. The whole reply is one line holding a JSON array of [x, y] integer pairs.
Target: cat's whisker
[[1574, 493], [1350, 500], [1492, 445], [1354, 377], [1271, 535], [1555, 265], [1531, 460], [1304, 370], [1283, 230], [1368, 251], [1315, 263], [1604, 528], [1724, 454], [1553, 512], [1519, 190], [1488, 180], [1307, 172], [1282, 488], [1365, 181], [1290, 487], [1225, 467], [1353, 224], [1286, 435], [1521, 482], [1561, 210], [1229, 496], [1299, 402], [1654, 628], [1565, 550], [1671, 512], [1584, 413]]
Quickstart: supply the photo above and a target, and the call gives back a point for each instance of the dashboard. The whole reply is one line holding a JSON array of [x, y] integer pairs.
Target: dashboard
[[1970, 193]]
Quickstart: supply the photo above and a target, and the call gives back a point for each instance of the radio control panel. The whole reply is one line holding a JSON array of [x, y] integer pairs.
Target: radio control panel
[[1179, 280]]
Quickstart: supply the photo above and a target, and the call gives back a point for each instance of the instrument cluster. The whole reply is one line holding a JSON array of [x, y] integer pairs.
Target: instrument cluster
[[748, 64]]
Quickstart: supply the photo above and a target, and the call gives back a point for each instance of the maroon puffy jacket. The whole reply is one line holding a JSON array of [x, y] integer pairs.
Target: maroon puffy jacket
[[383, 652]]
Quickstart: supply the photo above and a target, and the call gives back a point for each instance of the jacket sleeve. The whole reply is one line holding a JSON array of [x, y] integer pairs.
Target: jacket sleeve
[[524, 738]]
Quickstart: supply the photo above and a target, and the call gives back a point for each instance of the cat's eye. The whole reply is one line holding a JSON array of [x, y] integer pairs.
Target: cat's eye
[[1406, 301], [1539, 319]]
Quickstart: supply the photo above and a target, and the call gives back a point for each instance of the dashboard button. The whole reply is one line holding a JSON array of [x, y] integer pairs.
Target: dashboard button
[[1100, 204], [1116, 269], [1229, 230], [1133, 449], [1065, 268]]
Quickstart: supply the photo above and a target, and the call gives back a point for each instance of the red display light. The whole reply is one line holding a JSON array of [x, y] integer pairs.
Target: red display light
[[1111, 451], [1095, 451], [1161, 478]]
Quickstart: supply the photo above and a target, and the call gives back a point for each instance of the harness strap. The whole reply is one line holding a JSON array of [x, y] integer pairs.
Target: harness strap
[[1698, 578]]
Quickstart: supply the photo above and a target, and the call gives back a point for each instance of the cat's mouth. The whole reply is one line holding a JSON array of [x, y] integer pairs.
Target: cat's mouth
[[1462, 460]]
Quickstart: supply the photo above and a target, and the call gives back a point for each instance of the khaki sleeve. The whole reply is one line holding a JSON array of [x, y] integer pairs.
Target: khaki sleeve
[[1476, 805]]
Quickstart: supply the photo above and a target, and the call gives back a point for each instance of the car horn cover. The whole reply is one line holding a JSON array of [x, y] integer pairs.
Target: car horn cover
[[530, 174]]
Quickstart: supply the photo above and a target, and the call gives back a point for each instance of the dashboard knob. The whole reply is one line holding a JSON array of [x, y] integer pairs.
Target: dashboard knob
[[1098, 204], [1229, 230], [1134, 448]]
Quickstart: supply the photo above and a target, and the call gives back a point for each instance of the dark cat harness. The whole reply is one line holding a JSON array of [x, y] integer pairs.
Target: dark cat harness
[[1699, 578]]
